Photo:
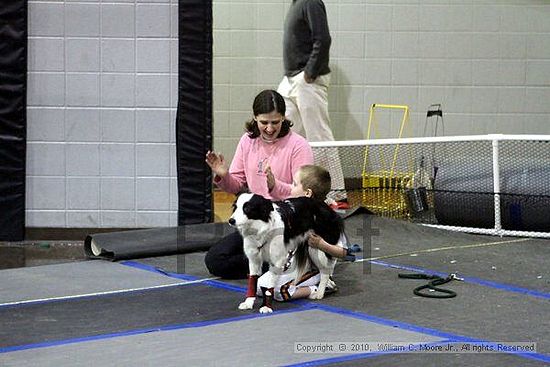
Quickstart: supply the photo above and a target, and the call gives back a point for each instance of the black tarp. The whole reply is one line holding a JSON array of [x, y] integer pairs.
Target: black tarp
[[141, 243], [194, 116], [13, 123]]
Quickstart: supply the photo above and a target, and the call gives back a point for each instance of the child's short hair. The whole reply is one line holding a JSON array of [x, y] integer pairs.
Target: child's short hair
[[317, 179]]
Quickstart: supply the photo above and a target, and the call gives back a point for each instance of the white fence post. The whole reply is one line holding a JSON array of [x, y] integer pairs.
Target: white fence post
[[496, 186]]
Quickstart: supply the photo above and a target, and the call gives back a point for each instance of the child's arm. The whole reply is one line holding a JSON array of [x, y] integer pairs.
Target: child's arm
[[333, 250]]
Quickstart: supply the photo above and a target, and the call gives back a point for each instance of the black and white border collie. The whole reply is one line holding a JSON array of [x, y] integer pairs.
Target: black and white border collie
[[275, 231]]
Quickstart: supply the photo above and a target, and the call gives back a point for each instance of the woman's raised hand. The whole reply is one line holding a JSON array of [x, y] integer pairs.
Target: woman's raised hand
[[217, 163], [270, 178]]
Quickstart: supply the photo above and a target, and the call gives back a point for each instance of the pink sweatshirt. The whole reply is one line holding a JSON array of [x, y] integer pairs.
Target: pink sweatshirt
[[252, 156]]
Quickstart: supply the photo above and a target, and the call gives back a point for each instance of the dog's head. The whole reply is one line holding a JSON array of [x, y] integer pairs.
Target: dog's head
[[249, 208]]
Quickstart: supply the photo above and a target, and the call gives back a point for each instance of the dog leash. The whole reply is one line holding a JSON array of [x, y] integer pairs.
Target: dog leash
[[288, 262], [350, 250], [435, 281], [348, 257]]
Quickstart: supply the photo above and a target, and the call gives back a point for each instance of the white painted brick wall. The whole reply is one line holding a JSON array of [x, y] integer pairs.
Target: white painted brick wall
[[101, 106], [103, 87], [487, 62]]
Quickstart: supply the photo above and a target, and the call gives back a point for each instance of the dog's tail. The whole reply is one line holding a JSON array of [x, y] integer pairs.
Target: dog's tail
[[328, 224]]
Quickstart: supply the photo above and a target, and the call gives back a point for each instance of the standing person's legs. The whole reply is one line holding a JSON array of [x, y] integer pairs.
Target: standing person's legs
[[292, 112], [312, 102]]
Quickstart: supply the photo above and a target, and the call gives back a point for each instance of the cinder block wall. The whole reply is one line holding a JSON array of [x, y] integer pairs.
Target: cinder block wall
[[487, 62], [103, 87], [102, 94]]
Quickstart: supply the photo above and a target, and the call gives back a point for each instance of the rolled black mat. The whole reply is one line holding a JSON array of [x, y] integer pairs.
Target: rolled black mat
[[194, 116], [133, 244]]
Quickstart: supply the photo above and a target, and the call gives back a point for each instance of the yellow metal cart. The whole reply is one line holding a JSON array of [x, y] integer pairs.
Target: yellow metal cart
[[387, 171]]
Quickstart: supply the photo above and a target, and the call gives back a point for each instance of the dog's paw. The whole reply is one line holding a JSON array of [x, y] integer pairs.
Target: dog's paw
[[266, 309], [316, 295], [331, 284], [248, 303]]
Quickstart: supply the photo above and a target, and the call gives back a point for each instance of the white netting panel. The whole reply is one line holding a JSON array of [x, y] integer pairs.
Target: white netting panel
[[449, 181]]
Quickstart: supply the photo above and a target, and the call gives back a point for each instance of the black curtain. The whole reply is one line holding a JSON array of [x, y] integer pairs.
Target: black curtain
[[194, 116], [13, 118]]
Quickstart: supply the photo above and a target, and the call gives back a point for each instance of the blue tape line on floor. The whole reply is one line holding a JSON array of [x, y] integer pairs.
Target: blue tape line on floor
[[147, 330], [346, 358], [391, 323], [154, 269], [405, 326], [305, 306], [448, 337], [483, 282], [352, 357], [214, 283]]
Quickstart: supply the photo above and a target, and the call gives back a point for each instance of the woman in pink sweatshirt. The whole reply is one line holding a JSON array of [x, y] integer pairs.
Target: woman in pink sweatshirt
[[268, 154], [267, 157]]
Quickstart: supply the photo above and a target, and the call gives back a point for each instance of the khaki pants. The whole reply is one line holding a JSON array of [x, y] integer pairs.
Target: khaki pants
[[307, 107]]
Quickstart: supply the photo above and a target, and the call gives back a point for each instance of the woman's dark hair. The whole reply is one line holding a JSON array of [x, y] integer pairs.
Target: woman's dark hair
[[265, 102]]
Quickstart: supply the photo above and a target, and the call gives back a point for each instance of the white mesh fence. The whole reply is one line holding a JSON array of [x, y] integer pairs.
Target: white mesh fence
[[493, 184]]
